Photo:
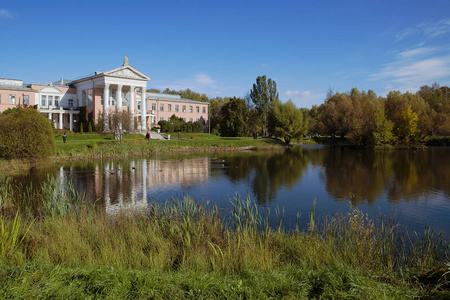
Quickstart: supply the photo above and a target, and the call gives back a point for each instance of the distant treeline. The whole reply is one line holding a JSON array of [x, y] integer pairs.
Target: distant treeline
[[363, 117]]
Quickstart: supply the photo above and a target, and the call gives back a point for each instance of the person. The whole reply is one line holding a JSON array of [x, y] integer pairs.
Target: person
[[179, 135], [147, 136], [64, 138]]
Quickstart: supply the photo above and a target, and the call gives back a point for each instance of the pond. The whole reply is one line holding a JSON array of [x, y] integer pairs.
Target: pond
[[413, 185]]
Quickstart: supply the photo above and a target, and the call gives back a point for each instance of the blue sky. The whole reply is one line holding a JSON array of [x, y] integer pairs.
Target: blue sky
[[220, 47]]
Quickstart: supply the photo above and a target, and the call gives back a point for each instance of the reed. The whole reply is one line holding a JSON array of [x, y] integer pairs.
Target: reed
[[243, 250]]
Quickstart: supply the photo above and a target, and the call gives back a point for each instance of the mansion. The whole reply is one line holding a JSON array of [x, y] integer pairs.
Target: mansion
[[125, 89]]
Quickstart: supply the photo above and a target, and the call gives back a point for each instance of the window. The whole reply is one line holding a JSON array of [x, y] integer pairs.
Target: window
[[161, 107], [169, 107], [112, 97], [26, 99], [191, 109], [153, 106], [138, 104], [90, 96], [101, 98], [190, 119], [12, 99], [56, 100], [50, 100], [161, 119], [197, 109], [70, 102], [184, 108], [43, 99], [184, 119], [204, 109], [176, 108]]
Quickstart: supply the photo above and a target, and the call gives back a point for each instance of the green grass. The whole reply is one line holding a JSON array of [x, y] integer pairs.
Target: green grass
[[83, 146], [179, 248]]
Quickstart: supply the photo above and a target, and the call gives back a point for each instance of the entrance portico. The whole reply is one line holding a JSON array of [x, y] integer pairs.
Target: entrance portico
[[116, 90]]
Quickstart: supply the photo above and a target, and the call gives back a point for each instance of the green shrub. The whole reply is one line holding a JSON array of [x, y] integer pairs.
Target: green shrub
[[24, 132], [90, 127]]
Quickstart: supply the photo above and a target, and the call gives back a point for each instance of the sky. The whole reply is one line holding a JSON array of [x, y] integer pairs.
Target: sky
[[219, 47]]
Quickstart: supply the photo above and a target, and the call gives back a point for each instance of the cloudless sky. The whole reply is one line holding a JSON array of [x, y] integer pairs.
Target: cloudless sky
[[220, 47]]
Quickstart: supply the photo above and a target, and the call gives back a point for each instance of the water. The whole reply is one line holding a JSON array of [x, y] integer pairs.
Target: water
[[414, 185]]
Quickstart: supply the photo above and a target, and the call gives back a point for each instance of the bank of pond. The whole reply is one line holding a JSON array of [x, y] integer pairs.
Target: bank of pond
[[55, 244]]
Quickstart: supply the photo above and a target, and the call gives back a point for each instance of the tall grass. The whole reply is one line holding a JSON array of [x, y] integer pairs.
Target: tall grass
[[345, 255]]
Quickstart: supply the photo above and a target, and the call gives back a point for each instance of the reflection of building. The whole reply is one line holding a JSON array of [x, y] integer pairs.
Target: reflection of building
[[123, 88], [129, 184]]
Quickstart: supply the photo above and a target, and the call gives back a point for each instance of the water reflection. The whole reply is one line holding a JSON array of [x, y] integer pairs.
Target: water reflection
[[291, 178]]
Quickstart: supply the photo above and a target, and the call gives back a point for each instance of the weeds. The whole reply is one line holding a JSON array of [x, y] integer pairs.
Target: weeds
[[342, 256]]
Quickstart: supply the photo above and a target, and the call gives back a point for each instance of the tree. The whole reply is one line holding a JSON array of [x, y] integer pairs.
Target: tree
[[407, 125], [289, 122], [263, 93], [235, 118], [24, 132]]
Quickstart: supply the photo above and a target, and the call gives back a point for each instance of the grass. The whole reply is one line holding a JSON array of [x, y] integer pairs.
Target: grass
[[84, 146], [183, 249]]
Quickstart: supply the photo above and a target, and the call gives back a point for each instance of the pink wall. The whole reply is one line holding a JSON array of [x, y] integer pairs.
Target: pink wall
[[4, 98], [166, 114]]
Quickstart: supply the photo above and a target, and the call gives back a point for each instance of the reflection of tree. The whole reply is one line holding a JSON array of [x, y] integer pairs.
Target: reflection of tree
[[268, 171], [417, 172], [366, 174], [360, 173]]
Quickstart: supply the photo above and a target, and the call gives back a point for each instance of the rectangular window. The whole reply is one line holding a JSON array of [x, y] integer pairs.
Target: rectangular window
[[176, 108], [138, 103], [204, 110], [169, 107], [90, 97], [191, 109], [112, 97], [197, 109], [50, 100], [101, 98], [70, 102], [161, 107], [56, 100], [153, 106], [83, 97], [26, 99], [12, 99], [184, 108], [43, 99], [190, 119], [161, 119]]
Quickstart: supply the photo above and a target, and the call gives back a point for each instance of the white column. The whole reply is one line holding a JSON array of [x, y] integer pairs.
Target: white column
[[131, 107], [60, 120], [106, 106], [144, 109], [50, 116], [71, 122], [119, 98]]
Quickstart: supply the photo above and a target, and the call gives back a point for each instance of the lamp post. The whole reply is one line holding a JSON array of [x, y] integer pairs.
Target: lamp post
[[74, 129]]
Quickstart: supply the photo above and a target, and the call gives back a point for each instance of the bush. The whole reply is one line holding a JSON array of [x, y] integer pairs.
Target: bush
[[24, 133]]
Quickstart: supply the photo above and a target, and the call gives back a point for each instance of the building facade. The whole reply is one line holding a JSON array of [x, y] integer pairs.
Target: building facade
[[125, 89]]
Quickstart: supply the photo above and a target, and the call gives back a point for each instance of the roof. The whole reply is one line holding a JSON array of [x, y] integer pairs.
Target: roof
[[171, 97], [23, 87]]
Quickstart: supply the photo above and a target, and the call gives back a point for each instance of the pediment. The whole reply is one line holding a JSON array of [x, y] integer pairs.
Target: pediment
[[50, 89], [127, 72]]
